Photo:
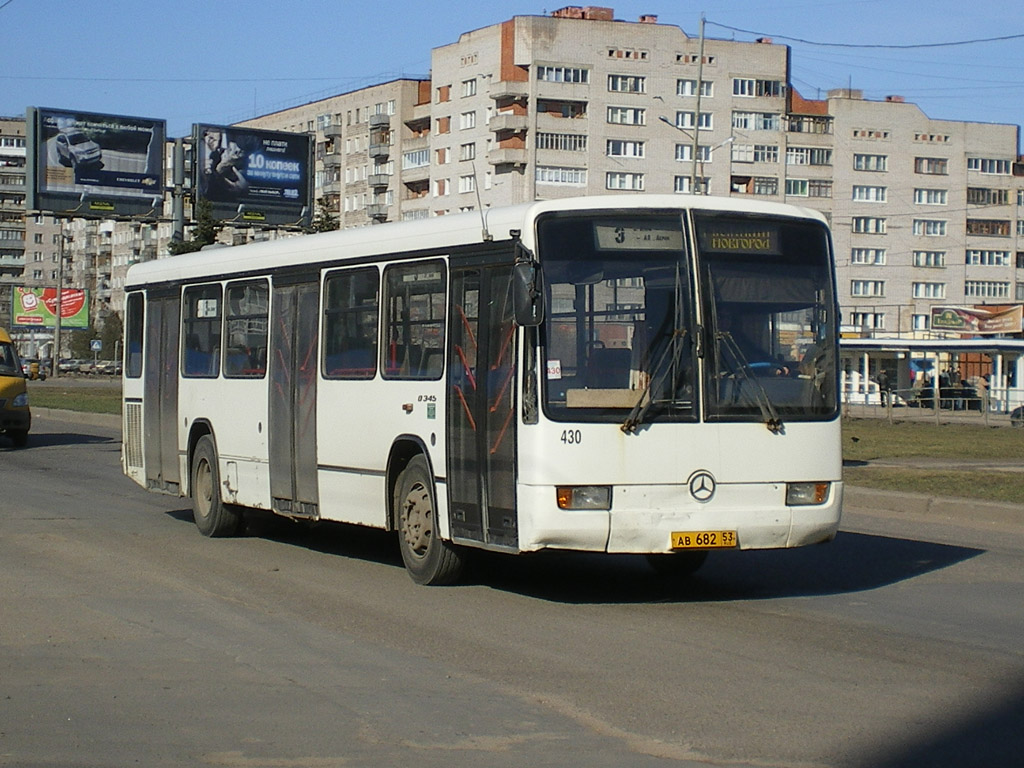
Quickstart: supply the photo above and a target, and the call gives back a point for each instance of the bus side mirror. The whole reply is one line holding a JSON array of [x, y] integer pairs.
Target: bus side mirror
[[527, 293]]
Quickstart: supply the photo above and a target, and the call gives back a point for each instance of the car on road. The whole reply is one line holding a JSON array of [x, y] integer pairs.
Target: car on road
[[15, 417], [1017, 416], [75, 148]]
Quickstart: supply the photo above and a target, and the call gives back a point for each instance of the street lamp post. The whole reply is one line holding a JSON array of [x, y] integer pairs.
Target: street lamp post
[[694, 186]]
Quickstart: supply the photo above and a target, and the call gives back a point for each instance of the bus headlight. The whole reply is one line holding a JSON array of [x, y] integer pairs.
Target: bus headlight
[[21, 401], [806, 494], [584, 496]]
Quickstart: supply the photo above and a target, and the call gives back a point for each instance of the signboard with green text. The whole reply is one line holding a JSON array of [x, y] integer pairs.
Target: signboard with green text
[[37, 307]]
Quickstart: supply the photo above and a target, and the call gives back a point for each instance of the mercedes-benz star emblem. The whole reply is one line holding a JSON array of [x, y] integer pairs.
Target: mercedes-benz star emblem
[[702, 485]]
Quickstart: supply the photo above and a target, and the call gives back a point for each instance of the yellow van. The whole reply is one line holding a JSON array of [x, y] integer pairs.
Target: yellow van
[[15, 418]]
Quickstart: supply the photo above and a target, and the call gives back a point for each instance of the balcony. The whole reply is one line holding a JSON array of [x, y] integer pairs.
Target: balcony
[[379, 150], [507, 156], [333, 131], [379, 121], [377, 211], [506, 121], [509, 90], [378, 180]]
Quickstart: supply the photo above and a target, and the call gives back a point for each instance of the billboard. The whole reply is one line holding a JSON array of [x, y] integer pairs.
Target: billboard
[[93, 165], [37, 308], [978, 320], [253, 176]]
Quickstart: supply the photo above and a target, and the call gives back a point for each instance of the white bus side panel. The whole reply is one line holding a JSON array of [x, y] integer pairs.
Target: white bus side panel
[[359, 422], [236, 410]]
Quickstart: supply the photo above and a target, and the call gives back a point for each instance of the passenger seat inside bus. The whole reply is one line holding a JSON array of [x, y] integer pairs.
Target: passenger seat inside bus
[[608, 368]]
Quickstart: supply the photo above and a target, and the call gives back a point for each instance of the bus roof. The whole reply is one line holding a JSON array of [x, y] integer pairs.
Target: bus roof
[[435, 234]]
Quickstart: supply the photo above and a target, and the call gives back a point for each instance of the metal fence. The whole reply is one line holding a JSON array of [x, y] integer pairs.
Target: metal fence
[[965, 404]]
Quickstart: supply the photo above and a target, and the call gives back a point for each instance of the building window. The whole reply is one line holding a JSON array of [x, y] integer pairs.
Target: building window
[[622, 180], [627, 116], [874, 288], [573, 177], [928, 290], [869, 256], [920, 322], [467, 151], [871, 225], [684, 153], [469, 88], [564, 142], [929, 227], [809, 124], [931, 196], [988, 258], [467, 183], [749, 86], [929, 258], [444, 125], [988, 227], [467, 120], [563, 74], [685, 120], [819, 188], [933, 166], [986, 289], [870, 162], [444, 93], [684, 184], [689, 88], [989, 166], [627, 84], [983, 196], [870, 320], [766, 185], [808, 156], [417, 158], [756, 121], [624, 148], [877, 134], [441, 187], [866, 194], [796, 187]]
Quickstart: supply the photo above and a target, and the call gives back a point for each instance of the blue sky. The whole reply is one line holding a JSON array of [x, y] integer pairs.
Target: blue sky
[[221, 61]]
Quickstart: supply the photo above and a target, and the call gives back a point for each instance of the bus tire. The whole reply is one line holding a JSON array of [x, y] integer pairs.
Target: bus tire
[[213, 517], [677, 565], [428, 559]]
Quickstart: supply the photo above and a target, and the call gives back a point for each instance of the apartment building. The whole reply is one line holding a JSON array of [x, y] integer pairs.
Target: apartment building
[[924, 211]]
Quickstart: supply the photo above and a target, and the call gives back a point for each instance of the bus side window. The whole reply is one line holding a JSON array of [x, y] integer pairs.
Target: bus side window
[[415, 317], [246, 321], [350, 324], [201, 318]]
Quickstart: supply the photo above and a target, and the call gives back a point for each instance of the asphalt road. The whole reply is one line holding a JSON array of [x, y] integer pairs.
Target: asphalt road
[[126, 638]]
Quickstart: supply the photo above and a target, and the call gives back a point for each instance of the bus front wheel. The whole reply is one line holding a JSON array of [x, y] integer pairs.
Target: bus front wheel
[[213, 517], [428, 558]]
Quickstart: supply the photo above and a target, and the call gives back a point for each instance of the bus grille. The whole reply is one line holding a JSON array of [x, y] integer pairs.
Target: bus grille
[[133, 434]]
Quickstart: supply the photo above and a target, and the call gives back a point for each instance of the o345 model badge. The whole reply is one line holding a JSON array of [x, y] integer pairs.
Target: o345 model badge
[[702, 485]]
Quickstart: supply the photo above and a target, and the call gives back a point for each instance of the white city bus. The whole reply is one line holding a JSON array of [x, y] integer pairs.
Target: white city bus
[[643, 374]]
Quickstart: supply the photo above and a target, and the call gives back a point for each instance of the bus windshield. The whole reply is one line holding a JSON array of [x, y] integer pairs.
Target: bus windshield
[[770, 317], [619, 335]]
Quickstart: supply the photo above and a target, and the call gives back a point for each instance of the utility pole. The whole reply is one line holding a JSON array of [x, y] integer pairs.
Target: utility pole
[[696, 116], [60, 288]]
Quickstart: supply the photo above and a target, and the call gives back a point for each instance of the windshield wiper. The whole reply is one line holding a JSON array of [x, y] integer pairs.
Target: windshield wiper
[[771, 417], [668, 363]]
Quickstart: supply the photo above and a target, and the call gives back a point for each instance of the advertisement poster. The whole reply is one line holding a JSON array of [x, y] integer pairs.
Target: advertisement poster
[[95, 165], [259, 170], [978, 320], [37, 307]]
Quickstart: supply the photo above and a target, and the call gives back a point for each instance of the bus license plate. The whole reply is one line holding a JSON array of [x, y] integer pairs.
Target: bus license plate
[[703, 539]]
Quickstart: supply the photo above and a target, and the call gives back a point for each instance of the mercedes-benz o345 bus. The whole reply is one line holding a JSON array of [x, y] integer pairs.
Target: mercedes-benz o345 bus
[[643, 374]]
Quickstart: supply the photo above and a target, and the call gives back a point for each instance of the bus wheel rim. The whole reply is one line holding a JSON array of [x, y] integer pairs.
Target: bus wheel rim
[[418, 520]]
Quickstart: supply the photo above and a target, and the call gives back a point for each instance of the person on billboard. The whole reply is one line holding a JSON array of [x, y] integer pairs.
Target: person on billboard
[[222, 178]]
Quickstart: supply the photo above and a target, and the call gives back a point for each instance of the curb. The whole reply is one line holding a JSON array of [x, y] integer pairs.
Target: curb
[[108, 420]]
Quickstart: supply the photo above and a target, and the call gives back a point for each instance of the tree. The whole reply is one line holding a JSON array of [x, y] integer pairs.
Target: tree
[[204, 233], [324, 220]]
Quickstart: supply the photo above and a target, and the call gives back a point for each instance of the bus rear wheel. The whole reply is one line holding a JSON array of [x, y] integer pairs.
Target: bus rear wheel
[[213, 517], [428, 558]]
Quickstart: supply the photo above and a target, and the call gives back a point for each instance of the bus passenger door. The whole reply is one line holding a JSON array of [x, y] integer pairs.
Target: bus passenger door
[[160, 404], [295, 313], [481, 407]]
